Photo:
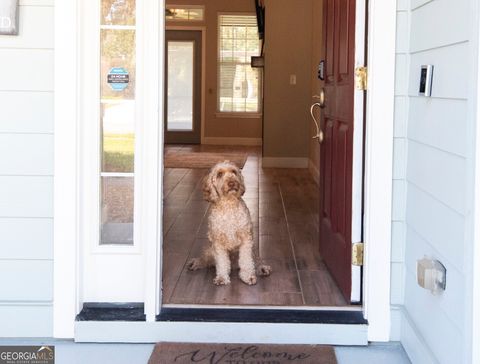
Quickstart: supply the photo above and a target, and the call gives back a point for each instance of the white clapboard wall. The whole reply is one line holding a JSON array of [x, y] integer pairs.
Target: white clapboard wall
[[26, 173], [431, 182]]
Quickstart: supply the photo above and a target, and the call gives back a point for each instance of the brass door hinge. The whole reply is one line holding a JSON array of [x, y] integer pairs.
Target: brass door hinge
[[361, 78], [357, 254]]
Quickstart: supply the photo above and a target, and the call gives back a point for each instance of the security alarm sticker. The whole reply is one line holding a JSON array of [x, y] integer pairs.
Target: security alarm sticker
[[118, 78]]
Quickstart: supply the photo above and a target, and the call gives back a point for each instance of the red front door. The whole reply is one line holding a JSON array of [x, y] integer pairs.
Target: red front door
[[337, 147]]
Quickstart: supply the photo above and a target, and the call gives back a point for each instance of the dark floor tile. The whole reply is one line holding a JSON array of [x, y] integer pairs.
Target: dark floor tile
[[268, 192], [320, 289]]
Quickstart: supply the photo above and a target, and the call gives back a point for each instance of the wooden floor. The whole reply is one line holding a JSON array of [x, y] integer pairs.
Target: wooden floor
[[284, 208]]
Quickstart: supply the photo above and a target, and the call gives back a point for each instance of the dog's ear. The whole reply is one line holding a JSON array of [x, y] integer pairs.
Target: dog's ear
[[209, 192], [241, 190]]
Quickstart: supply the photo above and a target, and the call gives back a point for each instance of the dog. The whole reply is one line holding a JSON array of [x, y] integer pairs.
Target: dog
[[230, 228]]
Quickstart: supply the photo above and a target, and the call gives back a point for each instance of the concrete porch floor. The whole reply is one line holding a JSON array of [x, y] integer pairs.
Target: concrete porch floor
[[68, 352]]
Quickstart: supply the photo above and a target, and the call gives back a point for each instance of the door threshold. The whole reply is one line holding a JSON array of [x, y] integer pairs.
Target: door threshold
[[220, 332], [133, 311], [253, 315], [266, 307], [126, 323]]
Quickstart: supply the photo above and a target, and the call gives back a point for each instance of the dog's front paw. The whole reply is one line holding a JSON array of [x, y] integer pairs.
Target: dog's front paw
[[248, 278], [264, 270], [194, 264], [221, 281]]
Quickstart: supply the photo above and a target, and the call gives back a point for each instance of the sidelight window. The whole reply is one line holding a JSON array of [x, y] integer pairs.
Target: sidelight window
[[117, 121]]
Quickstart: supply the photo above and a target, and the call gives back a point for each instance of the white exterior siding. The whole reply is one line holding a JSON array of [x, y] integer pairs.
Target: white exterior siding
[[431, 183], [26, 173]]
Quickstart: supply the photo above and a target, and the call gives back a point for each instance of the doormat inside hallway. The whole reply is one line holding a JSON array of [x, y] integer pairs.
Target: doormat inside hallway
[[202, 159], [184, 353]]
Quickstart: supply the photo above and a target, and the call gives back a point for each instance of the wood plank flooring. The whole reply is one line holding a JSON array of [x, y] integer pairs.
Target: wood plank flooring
[[284, 208]]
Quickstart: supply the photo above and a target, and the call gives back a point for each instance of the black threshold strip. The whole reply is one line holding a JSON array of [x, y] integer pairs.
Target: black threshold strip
[[296, 316], [93, 311]]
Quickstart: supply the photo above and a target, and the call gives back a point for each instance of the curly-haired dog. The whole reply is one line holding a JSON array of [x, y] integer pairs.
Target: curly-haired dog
[[230, 227]]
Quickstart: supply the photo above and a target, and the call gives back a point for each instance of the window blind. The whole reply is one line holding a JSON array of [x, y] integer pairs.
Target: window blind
[[238, 82]]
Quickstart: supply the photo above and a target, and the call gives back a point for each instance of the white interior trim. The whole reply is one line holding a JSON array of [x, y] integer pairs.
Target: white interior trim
[[378, 167]]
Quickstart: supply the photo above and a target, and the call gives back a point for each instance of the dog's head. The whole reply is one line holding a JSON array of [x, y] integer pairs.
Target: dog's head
[[223, 180]]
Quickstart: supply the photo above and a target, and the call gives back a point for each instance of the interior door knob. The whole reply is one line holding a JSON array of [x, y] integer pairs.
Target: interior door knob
[[319, 136], [320, 98]]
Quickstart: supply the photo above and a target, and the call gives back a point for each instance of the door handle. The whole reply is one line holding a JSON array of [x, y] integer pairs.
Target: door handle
[[320, 98], [319, 135]]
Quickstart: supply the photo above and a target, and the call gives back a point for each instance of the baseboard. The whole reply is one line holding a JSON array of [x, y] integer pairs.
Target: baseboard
[[314, 171], [412, 340], [231, 141], [273, 162]]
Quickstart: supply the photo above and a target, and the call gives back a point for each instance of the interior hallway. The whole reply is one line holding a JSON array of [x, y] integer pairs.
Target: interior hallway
[[284, 207]]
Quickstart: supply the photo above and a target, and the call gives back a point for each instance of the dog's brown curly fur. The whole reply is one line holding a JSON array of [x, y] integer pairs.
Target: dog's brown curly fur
[[230, 228]]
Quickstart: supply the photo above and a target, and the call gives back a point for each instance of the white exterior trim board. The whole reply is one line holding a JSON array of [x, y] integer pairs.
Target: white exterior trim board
[[215, 332], [378, 167]]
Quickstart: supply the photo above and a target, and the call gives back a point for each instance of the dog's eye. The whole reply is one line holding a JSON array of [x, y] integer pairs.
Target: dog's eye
[[219, 174], [234, 172]]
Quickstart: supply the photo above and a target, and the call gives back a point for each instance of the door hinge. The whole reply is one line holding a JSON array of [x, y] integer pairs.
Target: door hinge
[[357, 254], [361, 78]]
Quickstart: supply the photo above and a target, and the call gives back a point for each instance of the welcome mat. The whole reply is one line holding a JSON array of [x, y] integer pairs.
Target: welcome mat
[[202, 159], [183, 353]]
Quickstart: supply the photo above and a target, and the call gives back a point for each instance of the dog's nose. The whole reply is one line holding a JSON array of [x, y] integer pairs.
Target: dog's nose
[[231, 184]]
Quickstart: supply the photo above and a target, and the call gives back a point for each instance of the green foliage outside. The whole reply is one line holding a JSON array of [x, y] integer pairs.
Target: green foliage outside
[[118, 152]]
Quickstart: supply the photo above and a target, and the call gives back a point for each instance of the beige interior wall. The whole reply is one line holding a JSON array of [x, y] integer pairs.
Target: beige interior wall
[[288, 49], [216, 126], [317, 55]]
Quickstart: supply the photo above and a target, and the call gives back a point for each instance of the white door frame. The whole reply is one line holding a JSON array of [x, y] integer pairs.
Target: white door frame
[[150, 44]]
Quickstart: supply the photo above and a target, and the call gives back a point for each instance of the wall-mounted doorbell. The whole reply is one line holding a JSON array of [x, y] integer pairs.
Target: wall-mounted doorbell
[[426, 79]]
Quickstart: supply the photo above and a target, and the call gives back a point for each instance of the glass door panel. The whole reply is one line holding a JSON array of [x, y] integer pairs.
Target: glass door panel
[[183, 86], [180, 85]]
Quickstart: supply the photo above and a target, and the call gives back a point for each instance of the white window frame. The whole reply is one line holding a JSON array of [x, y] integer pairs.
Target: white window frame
[[67, 179], [237, 114]]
